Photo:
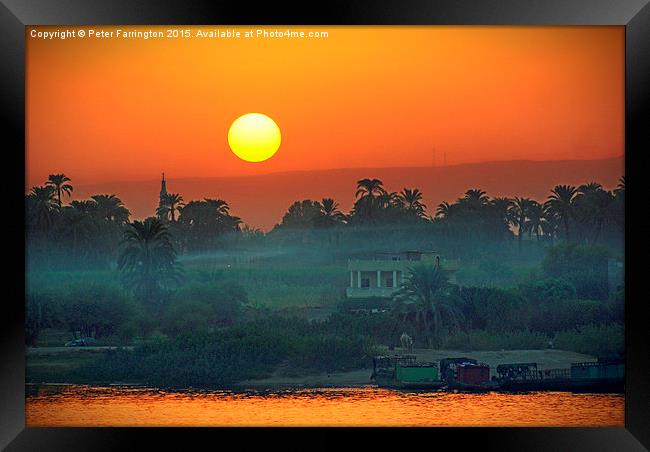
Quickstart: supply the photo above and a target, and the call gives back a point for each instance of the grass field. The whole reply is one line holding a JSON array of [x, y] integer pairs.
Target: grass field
[[275, 285]]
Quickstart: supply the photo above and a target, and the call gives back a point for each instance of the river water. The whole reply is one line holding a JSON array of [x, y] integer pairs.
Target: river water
[[76, 405]]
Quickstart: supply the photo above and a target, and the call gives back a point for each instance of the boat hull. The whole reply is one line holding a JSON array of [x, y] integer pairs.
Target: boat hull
[[483, 387], [419, 385], [604, 385]]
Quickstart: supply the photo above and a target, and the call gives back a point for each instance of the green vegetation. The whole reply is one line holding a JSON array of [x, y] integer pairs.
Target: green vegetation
[[583, 266], [148, 260], [244, 351], [207, 301], [600, 340]]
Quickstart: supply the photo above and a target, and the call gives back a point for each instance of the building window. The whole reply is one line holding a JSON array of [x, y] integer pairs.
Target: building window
[[365, 283], [389, 282]]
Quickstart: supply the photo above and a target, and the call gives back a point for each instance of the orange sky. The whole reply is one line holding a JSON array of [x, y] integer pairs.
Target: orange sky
[[117, 109]]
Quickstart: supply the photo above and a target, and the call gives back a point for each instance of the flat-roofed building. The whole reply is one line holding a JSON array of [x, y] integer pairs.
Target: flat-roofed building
[[382, 275]]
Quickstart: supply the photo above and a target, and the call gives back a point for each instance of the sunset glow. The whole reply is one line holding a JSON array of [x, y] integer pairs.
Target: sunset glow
[[109, 109]]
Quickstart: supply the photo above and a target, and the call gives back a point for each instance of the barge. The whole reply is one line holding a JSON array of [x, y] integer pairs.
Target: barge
[[466, 374], [403, 372], [606, 376]]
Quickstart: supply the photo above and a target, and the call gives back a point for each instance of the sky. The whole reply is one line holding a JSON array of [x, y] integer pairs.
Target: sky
[[117, 109]]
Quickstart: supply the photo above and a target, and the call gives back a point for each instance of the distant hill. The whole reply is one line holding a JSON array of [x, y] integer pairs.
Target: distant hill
[[262, 200]]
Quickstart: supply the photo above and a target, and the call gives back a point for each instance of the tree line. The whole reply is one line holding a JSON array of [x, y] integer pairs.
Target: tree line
[[88, 233], [581, 214], [98, 232]]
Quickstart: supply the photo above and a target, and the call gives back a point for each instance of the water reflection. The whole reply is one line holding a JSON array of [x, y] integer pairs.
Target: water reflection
[[76, 405]]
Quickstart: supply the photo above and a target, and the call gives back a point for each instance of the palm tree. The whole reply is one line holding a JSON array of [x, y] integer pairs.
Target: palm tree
[[620, 188], [619, 202], [499, 217], [426, 288], [218, 207], [560, 204], [330, 216], [412, 200], [368, 190], [148, 259], [111, 208], [58, 182], [536, 219], [475, 198], [330, 213], [39, 205], [204, 222], [77, 226], [88, 207], [171, 203], [389, 199], [445, 210], [593, 208], [591, 187], [519, 214], [501, 207], [602, 205]]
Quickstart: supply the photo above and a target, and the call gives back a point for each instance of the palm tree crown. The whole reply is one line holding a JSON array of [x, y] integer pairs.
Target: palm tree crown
[[148, 259], [111, 208], [412, 200], [560, 204], [58, 182], [425, 288], [171, 203]]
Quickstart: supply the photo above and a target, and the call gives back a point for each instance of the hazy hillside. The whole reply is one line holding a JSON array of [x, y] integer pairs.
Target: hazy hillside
[[261, 200]]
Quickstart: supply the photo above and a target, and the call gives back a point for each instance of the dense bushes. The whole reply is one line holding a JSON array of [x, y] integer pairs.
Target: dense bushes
[[493, 309], [583, 266], [198, 307], [604, 340], [598, 340], [231, 354], [91, 310], [212, 334], [103, 310], [491, 271]]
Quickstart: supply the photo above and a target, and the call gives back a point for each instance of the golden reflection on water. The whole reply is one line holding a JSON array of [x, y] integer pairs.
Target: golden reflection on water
[[121, 406]]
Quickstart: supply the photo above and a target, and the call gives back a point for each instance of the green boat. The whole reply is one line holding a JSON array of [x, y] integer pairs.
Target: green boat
[[403, 372]]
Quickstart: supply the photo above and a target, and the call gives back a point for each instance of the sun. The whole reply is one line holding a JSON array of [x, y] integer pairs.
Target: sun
[[254, 137]]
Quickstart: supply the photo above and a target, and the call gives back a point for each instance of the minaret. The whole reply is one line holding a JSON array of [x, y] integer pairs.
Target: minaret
[[163, 190]]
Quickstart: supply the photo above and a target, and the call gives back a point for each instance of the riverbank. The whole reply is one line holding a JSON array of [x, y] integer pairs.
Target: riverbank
[[59, 365], [545, 359]]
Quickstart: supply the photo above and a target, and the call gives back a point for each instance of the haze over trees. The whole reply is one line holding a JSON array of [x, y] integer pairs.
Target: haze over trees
[[196, 278]]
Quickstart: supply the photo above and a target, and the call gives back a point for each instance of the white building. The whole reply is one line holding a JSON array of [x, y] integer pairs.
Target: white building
[[383, 275]]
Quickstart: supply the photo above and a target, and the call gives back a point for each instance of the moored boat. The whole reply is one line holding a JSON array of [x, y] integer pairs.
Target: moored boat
[[598, 376], [403, 372], [466, 374]]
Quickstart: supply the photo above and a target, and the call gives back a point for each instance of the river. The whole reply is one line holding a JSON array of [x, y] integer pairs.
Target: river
[[88, 406]]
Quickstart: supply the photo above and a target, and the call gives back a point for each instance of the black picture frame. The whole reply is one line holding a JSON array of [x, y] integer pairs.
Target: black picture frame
[[633, 14]]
